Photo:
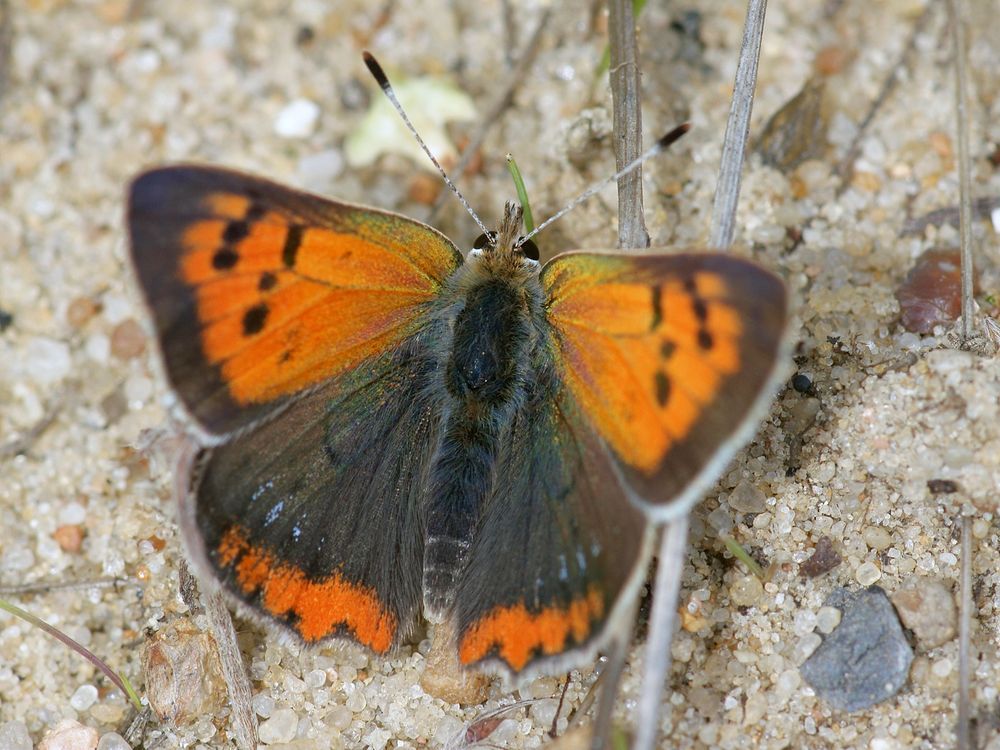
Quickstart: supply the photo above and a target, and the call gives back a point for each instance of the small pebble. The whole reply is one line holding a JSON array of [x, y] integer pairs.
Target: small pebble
[[47, 360], [113, 741], [927, 607], [801, 415], [128, 340], [544, 711], [866, 659], [827, 618], [931, 293], [83, 698], [339, 718], [377, 739], [114, 405], [69, 735], [942, 486], [746, 497], [315, 678], [14, 736], [356, 702], [867, 573], [69, 538], [280, 727], [73, 513], [298, 119], [797, 131], [746, 591], [806, 646], [876, 538], [81, 310], [942, 668], [823, 559], [543, 687], [263, 705]]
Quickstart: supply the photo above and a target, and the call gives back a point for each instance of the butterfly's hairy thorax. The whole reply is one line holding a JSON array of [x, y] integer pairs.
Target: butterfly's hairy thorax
[[495, 326]]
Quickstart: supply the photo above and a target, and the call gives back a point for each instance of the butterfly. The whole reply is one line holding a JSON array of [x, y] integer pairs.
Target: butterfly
[[390, 430]]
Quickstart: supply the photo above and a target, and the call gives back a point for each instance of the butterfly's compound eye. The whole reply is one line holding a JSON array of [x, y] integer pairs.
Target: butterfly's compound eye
[[486, 240], [530, 250]]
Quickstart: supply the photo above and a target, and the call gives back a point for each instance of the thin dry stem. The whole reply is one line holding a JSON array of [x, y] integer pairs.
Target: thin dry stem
[[627, 124], [234, 671], [965, 618], [964, 168], [727, 191], [661, 630]]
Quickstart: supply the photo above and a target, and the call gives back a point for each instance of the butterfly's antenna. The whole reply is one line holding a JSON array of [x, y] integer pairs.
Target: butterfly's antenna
[[383, 81], [660, 145]]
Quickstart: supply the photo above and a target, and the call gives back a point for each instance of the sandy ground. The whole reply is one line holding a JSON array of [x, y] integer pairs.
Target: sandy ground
[[94, 91]]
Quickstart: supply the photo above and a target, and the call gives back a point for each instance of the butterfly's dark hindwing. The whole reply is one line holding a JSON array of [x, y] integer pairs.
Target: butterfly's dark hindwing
[[315, 518], [558, 548]]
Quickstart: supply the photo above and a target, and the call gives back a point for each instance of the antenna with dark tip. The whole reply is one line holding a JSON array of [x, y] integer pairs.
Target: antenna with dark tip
[[657, 147], [383, 81]]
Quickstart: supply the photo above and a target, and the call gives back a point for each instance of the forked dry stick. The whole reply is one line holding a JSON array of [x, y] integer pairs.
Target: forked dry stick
[[674, 539]]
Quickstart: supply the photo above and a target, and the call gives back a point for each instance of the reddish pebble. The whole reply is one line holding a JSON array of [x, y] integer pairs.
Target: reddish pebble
[[128, 340], [424, 189], [823, 559], [831, 60], [932, 292], [69, 537], [80, 311]]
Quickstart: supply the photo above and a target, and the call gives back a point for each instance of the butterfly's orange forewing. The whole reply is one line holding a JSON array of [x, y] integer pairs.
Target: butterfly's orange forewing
[[667, 355], [281, 289]]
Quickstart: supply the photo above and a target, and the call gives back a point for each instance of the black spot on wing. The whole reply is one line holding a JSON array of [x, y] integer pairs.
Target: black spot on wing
[[224, 258], [700, 309], [235, 231], [657, 304], [267, 281], [254, 319], [292, 241], [662, 384]]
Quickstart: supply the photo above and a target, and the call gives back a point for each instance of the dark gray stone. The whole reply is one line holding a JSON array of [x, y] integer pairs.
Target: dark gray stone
[[866, 659]]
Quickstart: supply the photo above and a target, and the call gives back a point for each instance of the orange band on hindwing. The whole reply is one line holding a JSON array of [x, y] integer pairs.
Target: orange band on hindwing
[[515, 634], [315, 609]]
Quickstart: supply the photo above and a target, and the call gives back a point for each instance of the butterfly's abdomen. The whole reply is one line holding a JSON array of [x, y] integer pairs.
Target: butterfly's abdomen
[[483, 378]]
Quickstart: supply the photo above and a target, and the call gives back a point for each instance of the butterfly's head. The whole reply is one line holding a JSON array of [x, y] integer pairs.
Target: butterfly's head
[[502, 246]]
